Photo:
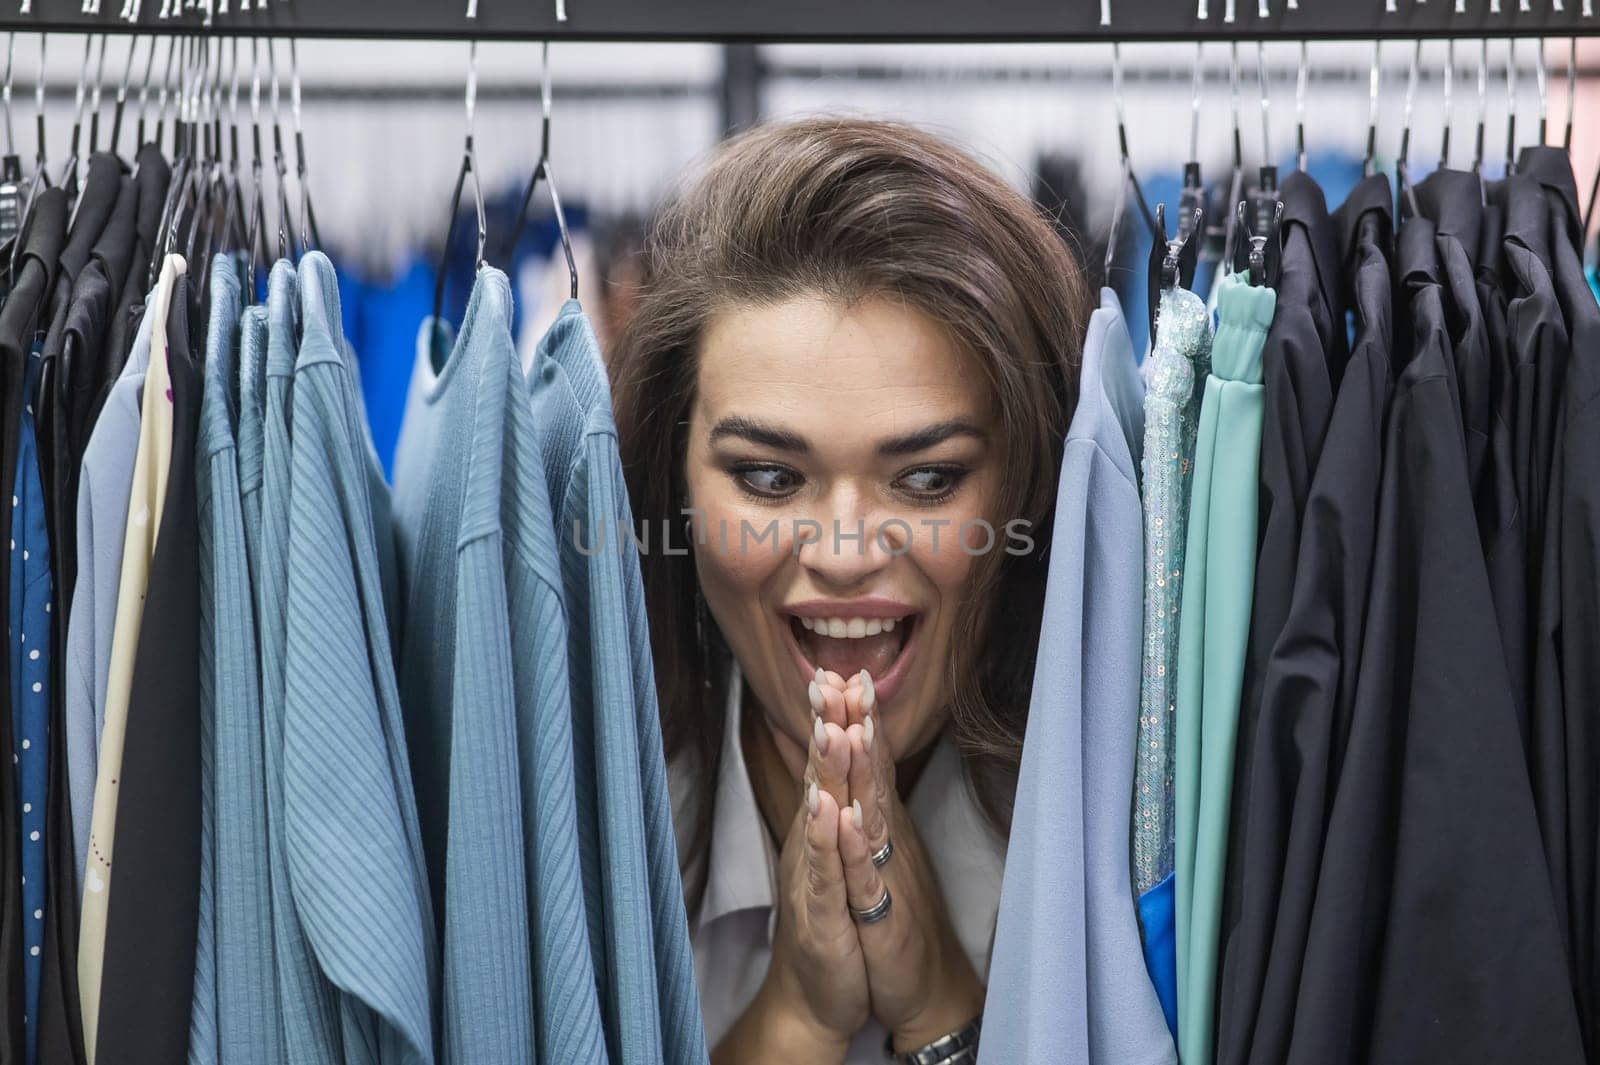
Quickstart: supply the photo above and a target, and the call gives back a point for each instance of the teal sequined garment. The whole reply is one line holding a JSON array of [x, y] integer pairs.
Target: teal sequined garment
[[1178, 367]]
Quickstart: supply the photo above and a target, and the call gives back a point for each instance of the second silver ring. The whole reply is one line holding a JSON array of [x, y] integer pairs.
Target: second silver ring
[[881, 856]]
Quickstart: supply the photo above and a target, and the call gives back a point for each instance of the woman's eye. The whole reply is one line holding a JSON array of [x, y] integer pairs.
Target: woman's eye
[[931, 483], [773, 482]]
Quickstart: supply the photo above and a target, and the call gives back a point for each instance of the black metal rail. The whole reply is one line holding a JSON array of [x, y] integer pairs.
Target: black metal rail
[[842, 21]]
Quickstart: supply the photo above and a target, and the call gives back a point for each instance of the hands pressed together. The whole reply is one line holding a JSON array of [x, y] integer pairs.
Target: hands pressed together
[[832, 967]]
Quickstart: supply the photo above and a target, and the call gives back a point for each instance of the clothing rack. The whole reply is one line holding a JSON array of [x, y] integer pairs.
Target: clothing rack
[[825, 21]]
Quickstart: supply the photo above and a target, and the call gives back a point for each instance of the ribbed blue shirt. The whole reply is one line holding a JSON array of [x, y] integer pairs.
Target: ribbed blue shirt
[[484, 684], [310, 1016], [638, 931], [246, 993], [354, 848]]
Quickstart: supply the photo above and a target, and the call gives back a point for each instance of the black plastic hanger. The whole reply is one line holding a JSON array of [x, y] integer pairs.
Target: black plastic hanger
[[1172, 259], [1257, 255], [541, 171], [469, 169]]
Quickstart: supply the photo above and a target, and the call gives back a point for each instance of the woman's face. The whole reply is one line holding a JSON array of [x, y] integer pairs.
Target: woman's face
[[836, 454]]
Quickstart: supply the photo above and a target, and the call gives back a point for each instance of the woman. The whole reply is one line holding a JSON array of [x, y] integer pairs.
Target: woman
[[844, 394]]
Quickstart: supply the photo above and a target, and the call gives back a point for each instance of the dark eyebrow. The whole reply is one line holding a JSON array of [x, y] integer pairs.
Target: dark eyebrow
[[928, 436], [759, 433], [783, 440]]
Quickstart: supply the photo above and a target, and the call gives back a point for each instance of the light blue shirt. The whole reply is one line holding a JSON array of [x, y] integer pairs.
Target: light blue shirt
[[637, 928], [354, 848], [485, 689], [1067, 979], [310, 1016], [105, 483], [247, 1028]]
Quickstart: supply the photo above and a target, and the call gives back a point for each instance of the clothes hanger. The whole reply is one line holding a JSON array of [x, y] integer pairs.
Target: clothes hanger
[[11, 167], [1257, 255], [1192, 197], [94, 98], [1129, 179], [541, 170], [1265, 196], [1449, 99], [1572, 90], [1483, 114], [1511, 106], [1171, 259], [41, 174], [309, 237], [69, 173], [1541, 76], [1402, 168], [1236, 182], [180, 193], [122, 95], [1302, 76], [256, 236], [469, 169], [1369, 163], [234, 214], [286, 247]]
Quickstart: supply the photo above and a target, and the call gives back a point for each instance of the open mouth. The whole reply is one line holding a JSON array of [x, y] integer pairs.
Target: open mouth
[[847, 645]]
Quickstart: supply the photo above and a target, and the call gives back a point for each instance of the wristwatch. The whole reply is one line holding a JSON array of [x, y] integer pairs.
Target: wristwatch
[[960, 1047]]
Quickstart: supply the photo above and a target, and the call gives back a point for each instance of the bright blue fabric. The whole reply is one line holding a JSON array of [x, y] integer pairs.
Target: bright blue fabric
[[638, 932], [1594, 279], [354, 849], [29, 620], [1158, 918], [1067, 980]]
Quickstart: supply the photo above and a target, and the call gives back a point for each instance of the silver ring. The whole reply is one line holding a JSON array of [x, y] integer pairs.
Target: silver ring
[[880, 857], [876, 912]]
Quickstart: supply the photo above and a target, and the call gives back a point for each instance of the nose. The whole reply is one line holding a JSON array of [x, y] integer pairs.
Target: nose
[[843, 544]]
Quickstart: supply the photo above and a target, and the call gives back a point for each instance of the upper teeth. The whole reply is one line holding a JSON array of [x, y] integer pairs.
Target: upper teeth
[[848, 628]]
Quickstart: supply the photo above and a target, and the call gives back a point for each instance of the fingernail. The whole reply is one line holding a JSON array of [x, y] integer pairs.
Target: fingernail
[[868, 730], [812, 800], [869, 694], [814, 693], [855, 811], [820, 734]]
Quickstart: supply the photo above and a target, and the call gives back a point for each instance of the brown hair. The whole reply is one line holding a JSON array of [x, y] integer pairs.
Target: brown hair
[[852, 209]]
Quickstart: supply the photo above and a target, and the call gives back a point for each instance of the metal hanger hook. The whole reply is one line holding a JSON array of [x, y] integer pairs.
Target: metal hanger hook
[[1449, 112], [1541, 77], [11, 56], [1266, 103], [1572, 89], [1301, 78]]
